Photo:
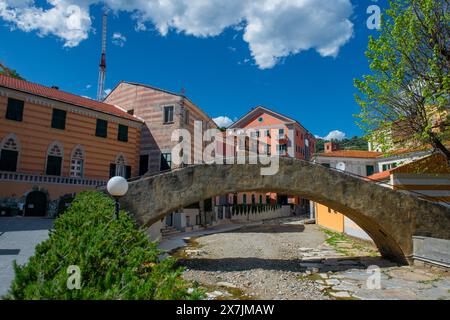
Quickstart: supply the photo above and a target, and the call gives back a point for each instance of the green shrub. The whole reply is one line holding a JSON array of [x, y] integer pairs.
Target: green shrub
[[116, 260]]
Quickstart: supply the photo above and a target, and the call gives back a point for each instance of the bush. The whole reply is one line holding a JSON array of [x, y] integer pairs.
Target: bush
[[116, 260]]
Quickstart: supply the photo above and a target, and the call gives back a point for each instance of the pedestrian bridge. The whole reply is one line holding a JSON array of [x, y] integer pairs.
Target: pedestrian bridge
[[390, 217]]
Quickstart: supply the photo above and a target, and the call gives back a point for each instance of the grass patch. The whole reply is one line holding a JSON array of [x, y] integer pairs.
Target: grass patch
[[357, 247]]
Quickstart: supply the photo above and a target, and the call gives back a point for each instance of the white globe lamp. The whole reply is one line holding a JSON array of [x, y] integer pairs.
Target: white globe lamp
[[117, 187]]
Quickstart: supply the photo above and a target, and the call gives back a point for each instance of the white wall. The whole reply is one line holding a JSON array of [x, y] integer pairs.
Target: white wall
[[284, 211]]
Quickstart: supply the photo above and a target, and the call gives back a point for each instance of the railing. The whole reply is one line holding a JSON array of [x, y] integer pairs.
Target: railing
[[36, 178]]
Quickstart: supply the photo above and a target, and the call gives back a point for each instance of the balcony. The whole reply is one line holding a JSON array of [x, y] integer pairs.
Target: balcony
[[40, 179]]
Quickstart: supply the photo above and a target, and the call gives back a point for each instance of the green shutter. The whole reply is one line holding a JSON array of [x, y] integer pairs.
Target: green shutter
[[112, 170], [54, 166], [101, 129], [8, 160], [14, 110], [59, 119], [123, 133]]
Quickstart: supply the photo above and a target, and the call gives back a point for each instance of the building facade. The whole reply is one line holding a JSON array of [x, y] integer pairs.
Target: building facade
[[163, 112], [374, 166], [55, 144], [278, 134]]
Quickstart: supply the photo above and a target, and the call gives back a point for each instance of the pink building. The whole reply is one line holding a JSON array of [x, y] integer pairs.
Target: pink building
[[291, 139]]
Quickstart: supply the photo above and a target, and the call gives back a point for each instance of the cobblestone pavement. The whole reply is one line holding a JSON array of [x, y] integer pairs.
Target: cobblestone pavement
[[285, 259], [18, 238]]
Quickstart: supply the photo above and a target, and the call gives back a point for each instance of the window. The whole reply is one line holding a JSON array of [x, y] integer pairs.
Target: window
[[166, 161], [186, 116], [54, 160], [119, 168], [9, 155], [101, 129], [370, 170], [123, 133], [267, 133], [282, 148], [14, 110], [143, 164], [267, 199], [261, 119], [253, 199], [59, 119], [244, 198], [326, 165], [77, 163], [385, 167], [260, 199], [168, 114], [281, 132]]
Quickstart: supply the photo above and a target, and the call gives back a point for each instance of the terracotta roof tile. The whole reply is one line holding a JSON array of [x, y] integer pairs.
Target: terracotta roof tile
[[385, 175], [55, 94], [351, 154]]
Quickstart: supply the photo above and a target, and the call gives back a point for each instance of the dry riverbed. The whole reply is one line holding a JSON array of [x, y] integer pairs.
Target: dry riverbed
[[285, 259]]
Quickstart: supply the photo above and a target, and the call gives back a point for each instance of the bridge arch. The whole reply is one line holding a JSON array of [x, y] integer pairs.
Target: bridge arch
[[390, 217]]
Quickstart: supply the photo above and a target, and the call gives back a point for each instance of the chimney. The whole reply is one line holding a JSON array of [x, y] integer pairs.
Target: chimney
[[331, 146], [55, 87]]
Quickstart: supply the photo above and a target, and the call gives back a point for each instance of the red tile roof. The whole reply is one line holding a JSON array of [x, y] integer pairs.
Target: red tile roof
[[55, 94], [385, 175], [351, 154]]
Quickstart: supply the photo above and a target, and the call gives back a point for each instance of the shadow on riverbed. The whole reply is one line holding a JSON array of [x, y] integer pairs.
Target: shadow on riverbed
[[271, 229], [294, 265]]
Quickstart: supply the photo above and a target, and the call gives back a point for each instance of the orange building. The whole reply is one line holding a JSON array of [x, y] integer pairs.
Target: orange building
[[54, 143]]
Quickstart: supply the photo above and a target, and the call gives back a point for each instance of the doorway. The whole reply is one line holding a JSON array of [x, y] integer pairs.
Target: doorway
[[36, 204]]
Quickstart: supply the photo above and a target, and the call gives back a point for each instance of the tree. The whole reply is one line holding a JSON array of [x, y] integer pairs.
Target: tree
[[406, 99], [355, 143], [8, 72]]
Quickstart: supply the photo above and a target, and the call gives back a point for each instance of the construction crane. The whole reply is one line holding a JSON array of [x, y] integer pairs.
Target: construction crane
[[102, 72]]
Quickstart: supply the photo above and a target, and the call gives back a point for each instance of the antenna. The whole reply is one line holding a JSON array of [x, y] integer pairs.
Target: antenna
[[102, 72]]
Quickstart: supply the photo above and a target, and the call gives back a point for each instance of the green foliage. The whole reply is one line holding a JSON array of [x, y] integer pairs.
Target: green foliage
[[9, 72], [116, 260], [355, 143], [405, 98]]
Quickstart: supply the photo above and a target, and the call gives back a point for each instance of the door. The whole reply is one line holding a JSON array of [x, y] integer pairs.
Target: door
[[36, 204]]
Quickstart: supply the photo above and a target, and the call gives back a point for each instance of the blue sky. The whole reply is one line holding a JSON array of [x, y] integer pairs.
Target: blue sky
[[225, 71]]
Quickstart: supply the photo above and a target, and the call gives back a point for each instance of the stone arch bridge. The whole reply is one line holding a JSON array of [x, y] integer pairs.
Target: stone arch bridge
[[390, 217]]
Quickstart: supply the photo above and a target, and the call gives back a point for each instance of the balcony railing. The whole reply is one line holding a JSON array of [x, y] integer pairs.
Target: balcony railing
[[36, 178]]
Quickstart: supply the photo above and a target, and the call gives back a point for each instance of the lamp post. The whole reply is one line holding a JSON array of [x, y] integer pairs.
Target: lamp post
[[117, 188]]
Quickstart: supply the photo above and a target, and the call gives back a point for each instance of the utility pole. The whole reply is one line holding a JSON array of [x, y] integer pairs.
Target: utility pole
[[102, 72]]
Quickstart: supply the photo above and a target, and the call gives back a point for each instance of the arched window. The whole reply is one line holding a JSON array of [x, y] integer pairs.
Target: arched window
[[55, 154], [9, 153], [77, 163], [120, 168]]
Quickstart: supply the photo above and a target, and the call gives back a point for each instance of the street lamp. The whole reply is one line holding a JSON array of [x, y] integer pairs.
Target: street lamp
[[117, 188]]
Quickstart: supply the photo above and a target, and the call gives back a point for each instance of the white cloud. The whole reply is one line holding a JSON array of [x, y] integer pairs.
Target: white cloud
[[66, 19], [273, 29], [118, 39], [334, 135], [107, 91], [223, 122]]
